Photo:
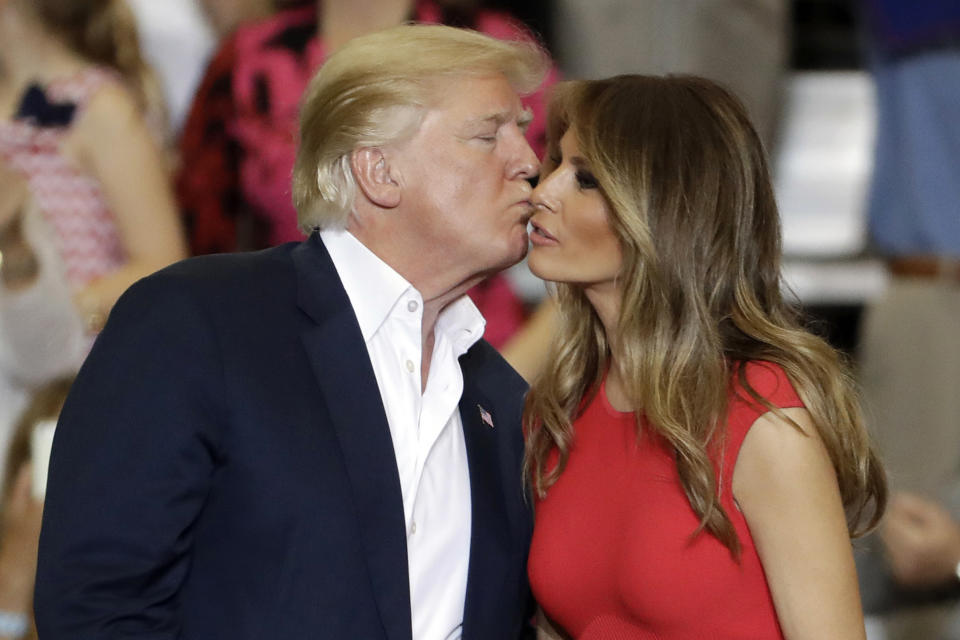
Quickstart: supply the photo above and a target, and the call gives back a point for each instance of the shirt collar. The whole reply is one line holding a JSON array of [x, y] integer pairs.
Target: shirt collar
[[371, 284], [462, 323], [374, 289]]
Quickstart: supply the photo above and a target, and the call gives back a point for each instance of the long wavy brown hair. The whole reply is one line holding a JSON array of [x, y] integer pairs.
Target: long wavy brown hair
[[692, 204], [105, 33]]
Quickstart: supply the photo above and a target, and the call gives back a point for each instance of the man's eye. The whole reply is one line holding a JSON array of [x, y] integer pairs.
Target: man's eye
[[489, 138], [586, 180]]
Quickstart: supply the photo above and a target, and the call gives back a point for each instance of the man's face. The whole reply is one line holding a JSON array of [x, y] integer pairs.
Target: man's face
[[464, 177]]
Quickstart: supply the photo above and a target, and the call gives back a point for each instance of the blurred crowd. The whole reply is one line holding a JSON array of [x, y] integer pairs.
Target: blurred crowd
[[135, 133]]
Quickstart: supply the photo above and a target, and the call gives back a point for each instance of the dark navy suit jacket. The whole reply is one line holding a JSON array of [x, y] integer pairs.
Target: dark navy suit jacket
[[223, 468]]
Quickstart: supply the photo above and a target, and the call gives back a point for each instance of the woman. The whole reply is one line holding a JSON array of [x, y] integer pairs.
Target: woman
[[76, 108], [698, 460]]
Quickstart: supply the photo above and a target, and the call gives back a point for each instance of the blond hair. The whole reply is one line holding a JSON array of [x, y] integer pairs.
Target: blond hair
[[374, 90], [103, 32], [692, 205]]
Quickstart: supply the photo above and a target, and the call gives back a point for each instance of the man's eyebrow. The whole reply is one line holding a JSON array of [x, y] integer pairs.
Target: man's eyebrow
[[501, 118]]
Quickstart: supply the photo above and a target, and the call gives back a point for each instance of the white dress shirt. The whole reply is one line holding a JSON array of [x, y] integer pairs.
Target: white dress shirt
[[425, 427]]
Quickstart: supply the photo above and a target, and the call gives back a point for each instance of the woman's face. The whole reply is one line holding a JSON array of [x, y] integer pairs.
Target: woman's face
[[572, 239]]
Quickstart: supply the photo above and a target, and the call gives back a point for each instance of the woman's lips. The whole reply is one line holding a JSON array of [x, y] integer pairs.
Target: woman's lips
[[540, 236]]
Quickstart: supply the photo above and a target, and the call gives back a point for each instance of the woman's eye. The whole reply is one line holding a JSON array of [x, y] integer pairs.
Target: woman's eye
[[586, 180]]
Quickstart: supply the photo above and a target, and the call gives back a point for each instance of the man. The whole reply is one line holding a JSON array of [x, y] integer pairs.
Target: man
[[313, 441]]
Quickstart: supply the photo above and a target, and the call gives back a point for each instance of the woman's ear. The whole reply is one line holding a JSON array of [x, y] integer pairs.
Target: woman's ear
[[374, 176]]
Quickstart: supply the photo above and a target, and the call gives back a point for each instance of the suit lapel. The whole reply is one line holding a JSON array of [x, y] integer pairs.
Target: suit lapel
[[342, 367], [490, 526]]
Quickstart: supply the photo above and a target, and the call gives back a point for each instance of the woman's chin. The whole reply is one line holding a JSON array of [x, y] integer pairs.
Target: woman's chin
[[543, 272]]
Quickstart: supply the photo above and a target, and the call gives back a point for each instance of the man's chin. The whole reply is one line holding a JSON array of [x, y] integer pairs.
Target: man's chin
[[518, 252], [512, 252]]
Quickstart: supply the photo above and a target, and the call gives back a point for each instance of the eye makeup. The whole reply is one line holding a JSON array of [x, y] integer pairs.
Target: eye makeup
[[586, 180]]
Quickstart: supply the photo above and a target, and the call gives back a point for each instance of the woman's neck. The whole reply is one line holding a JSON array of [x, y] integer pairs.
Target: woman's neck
[[605, 299], [342, 20], [616, 390]]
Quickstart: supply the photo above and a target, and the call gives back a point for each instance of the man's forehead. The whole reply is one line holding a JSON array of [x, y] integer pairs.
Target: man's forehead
[[476, 97]]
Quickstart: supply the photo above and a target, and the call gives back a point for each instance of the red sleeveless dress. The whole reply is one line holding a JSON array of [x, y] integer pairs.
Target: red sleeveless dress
[[612, 556]]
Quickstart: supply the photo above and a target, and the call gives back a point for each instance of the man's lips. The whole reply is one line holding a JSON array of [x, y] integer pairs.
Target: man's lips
[[528, 210]]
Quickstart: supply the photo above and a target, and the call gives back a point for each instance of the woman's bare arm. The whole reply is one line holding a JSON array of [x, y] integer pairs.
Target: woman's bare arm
[[786, 487]]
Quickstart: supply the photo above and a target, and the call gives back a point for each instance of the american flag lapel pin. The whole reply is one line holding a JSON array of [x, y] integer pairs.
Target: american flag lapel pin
[[485, 417]]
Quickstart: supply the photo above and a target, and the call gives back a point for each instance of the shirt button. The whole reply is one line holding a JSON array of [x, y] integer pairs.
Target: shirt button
[[413, 528], [410, 366], [412, 306]]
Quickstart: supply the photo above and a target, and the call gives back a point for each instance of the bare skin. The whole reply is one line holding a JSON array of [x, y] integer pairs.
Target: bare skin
[[527, 349], [785, 486]]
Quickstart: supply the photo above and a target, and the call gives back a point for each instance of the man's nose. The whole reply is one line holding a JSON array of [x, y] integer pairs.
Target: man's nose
[[525, 164]]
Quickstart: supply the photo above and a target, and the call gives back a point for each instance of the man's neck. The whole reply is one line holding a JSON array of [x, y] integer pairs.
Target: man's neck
[[438, 286], [432, 307], [436, 278]]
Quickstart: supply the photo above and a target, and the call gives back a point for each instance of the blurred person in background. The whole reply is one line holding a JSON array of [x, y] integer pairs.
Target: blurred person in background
[[699, 460], [81, 120], [21, 508], [239, 142], [227, 15], [742, 44], [910, 343], [87, 207], [41, 332], [176, 38]]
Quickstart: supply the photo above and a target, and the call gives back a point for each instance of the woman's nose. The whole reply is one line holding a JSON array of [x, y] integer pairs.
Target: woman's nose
[[542, 196]]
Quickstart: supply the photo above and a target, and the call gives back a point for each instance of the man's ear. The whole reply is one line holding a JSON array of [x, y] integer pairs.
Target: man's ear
[[373, 174]]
